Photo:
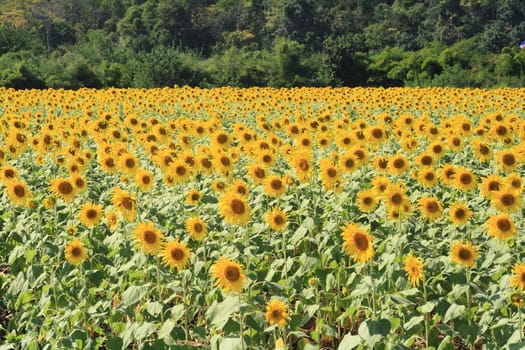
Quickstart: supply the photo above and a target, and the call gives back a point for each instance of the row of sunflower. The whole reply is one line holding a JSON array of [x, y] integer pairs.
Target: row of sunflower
[[260, 218]]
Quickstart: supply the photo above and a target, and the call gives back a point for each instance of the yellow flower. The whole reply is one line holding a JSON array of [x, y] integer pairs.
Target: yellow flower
[[91, 214], [124, 203], [518, 279], [274, 186], [459, 213], [18, 192], [111, 220], [144, 180], [501, 226], [367, 201], [506, 201], [75, 252], [229, 275], [63, 188], [276, 219], [414, 269], [431, 208], [358, 243], [464, 253], [276, 313], [175, 254], [196, 228], [148, 237], [193, 197], [234, 208]]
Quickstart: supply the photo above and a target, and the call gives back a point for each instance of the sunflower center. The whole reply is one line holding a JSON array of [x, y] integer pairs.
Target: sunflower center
[[276, 184], [515, 183], [127, 203], [429, 176], [79, 182], [195, 196], [150, 237], [377, 133], [305, 142], [383, 163], [199, 130], [465, 179], [109, 162], [9, 173], [503, 224], [278, 220], [259, 173], [294, 130], [432, 207], [508, 199], [76, 252], [247, 137], [206, 163], [232, 273], [367, 200], [225, 161], [501, 130], [267, 158], [465, 254], [465, 126], [303, 165], [237, 207], [276, 314], [65, 188], [437, 149], [222, 139], [359, 154], [180, 170], [396, 198], [349, 163], [493, 186], [347, 141], [19, 191], [456, 141], [91, 213], [508, 159], [130, 163], [197, 227], [459, 213], [398, 163], [331, 172], [484, 150], [146, 179], [177, 254], [426, 160], [361, 241]]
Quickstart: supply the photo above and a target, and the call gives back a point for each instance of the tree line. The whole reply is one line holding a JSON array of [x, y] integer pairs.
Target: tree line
[[206, 43]]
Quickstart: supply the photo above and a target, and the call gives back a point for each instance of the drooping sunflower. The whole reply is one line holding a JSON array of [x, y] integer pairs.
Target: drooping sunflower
[[358, 243], [459, 213], [276, 219], [274, 186], [234, 208], [144, 180], [91, 214], [18, 192], [518, 279], [175, 254], [276, 313], [430, 207], [196, 228], [112, 220], [124, 203], [75, 252], [367, 200], [229, 275], [506, 201], [501, 226], [148, 237], [464, 253], [414, 269], [63, 188]]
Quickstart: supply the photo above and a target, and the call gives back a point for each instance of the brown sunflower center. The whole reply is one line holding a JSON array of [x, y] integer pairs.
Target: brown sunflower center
[[278, 219], [232, 273], [267, 158], [19, 191], [465, 254], [177, 254], [437, 149], [206, 163], [331, 172], [465, 179], [484, 150], [361, 241], [503, 224], [238, 207], [225, 161], [368, 200], [429, 176], [222, 139], [65, 188], [276, 314], [426, 160], [465, 126], [91, 213], [197, 227], [347, 141], [377, 133], [432, 207], [180, 170], [459, 213], [146, 180], [501, 130], [9, 173], [305, 142], [493, 186], [130, 163], [76, 252], [127, 203], [396, 198], [259, 173], [349, 163], [195, 196], [508, 159], [303, 165], [150, 237], [515, 183], [398, 163], [276, 184], [507, 199], [359, 154], [109, 162]]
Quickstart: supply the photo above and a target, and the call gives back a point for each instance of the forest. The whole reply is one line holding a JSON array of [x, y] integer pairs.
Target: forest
[[72, 44]]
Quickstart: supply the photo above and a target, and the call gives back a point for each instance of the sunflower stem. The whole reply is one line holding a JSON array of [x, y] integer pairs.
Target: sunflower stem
[[520, 325], [186, 321], [425, 315], [241, 323], [469, 301]]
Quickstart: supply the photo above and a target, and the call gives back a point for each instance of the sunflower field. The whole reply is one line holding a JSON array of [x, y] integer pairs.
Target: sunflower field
[[304, 218]]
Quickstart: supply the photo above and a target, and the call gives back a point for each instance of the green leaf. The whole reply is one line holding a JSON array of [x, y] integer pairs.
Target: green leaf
[[429, 306], [349, 342], [453, 312], [373, 331], [298, 235], [177, 312], [517, 346], [231, 344], [414, 321], [165, 332], [30, 254], [154, 308], [133, 295], [144, 330], [400, 300], [219, 313]]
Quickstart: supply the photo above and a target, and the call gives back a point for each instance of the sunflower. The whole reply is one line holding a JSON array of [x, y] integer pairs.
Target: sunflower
[[175, 254], [144, 180], [196, 228], [128, 163], [179, 170], [447, 174], [107, 162], [506, 201], [464, 253], [424, 160], [506, 160], [516, 299], [302, 163], [229, 275], [481, 151], [464, 179], [91, 214], [490, 185], [515, 182], [430, 208], [427, 177], [79, 182], [234, 208], [398, 164], [8, 173], [75, 252], [274, 186], [224, 163], [63, 188], [395, 198], [218, 186], [380, 184], [276, 313], [276, 219], [414, 269], [112, 220], [358, 243], [329, 174], [240, 187], [124, 203], [148, 237], [193, 197], [459, 213], [518, 279], [380, 164], [257, 174], [501, 226], [367, 201]]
